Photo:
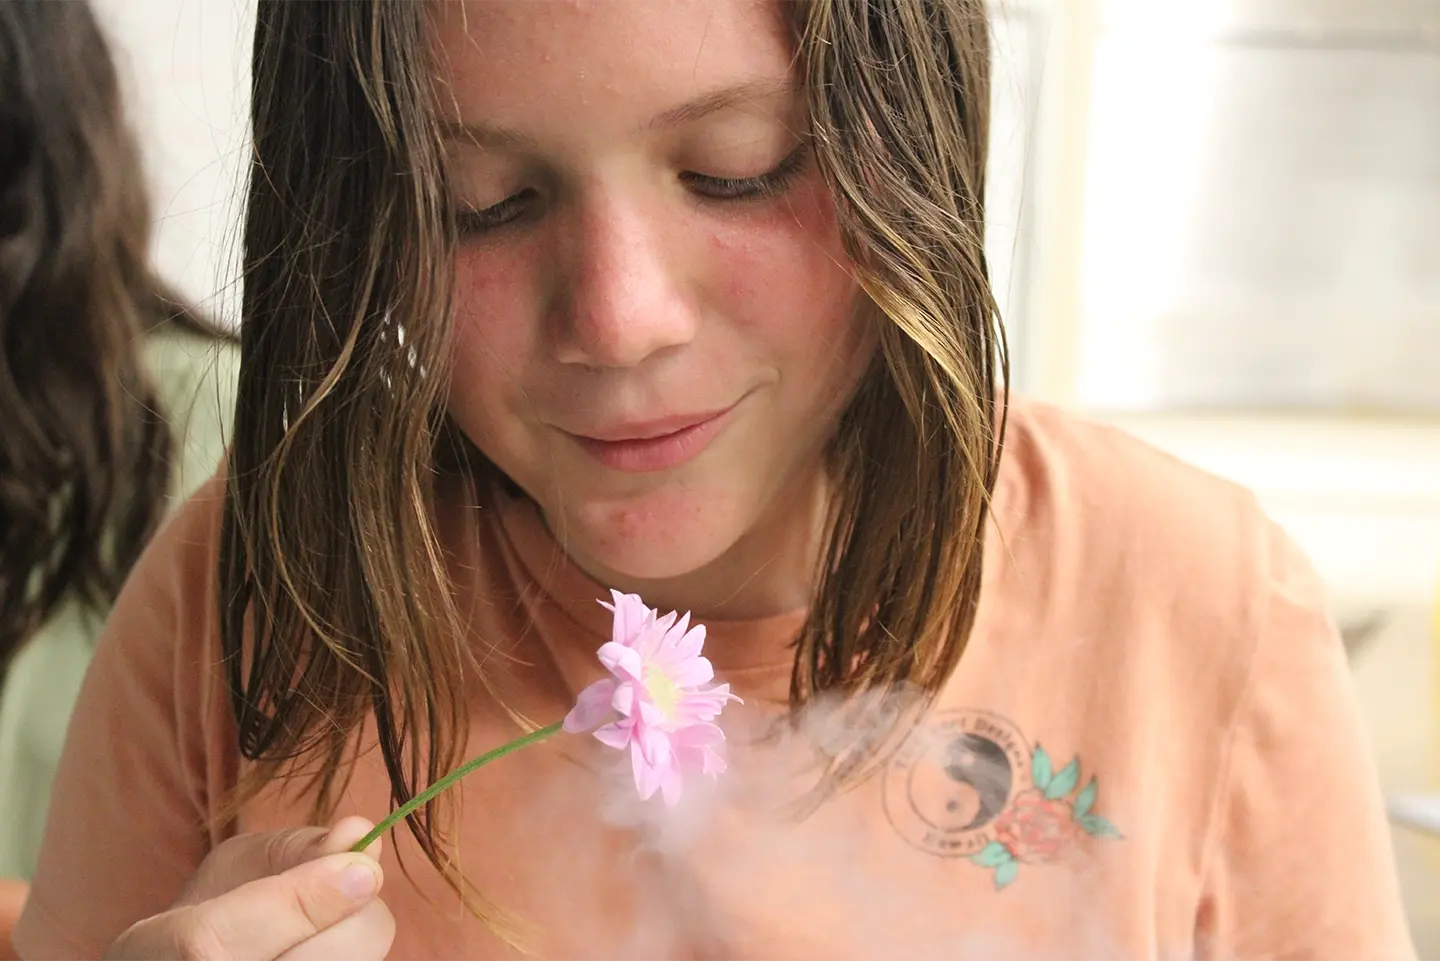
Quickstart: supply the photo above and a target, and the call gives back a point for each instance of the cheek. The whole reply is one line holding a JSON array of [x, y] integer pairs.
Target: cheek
[[494, 336], [493, 306], [787, 275]]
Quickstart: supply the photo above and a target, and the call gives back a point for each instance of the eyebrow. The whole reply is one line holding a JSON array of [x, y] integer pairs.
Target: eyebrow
[[750, 92]]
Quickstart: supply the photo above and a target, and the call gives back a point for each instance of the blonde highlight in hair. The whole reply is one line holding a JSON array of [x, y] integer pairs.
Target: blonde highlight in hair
[[336, 604], [899, 94]]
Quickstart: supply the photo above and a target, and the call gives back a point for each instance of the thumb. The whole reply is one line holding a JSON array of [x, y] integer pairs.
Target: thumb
[[250, 857], [345, 833], [262, 919]]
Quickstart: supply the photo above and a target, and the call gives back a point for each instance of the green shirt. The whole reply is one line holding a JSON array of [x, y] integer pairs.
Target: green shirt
[[195, 378]]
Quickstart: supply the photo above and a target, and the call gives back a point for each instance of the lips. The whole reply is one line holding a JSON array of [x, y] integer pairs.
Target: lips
[[653, 445], [650, 429]]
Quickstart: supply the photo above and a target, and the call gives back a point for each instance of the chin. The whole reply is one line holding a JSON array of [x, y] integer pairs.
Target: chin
[[657, 537]]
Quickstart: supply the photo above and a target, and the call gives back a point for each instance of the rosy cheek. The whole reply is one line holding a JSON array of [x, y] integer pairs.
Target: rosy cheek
[[490, 298], [738, 261], [792, 257], [813, 209], [481, 277]]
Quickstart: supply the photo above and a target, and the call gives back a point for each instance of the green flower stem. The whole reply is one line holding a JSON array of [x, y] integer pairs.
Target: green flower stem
[[426, 795]]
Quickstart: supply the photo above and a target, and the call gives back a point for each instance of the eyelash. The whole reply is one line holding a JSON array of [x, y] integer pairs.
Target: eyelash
[[718, 189], [746, 188], [474, 222]]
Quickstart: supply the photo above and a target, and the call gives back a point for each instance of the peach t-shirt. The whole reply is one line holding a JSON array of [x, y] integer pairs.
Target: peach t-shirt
[[1150, 750]]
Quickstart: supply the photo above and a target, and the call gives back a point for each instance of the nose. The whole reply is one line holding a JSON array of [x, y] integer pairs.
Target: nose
[[623, 299]]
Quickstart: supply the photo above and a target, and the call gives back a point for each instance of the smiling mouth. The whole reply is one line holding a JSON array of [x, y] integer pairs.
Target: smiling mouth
[[655, 445], [652, 429]]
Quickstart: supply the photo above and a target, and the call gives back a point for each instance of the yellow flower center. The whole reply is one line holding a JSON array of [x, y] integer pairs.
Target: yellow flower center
[[664, 692]]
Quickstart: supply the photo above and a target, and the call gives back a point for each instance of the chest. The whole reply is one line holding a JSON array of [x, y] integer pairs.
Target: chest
[[958, 848]]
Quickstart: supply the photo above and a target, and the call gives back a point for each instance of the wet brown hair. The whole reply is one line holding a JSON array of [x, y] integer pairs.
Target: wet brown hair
[[335, 602], [84, 448]]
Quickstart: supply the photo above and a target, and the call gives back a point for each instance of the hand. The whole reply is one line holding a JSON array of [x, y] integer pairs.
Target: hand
[[295, 895]]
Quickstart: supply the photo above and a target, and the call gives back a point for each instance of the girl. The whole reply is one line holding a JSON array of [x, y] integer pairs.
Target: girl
[[112, 393], [687, 299]]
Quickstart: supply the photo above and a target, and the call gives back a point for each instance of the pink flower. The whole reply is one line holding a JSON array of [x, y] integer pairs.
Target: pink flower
[[656, 701]]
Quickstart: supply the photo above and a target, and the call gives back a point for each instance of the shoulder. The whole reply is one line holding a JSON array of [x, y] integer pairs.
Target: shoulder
[[149, 798], [167, 608], [1126, 513], [1134, 605], [1108, 550], [1056, 458], [158, 671]]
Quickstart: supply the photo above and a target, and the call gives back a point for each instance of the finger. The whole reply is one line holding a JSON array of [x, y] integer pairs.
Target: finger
[[360, 937], [250, 857], [309, 898], [261, 919], [288, 849], [346, 833]]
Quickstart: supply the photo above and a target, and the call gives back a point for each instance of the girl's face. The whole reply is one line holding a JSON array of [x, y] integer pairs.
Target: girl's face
[[657, 325]]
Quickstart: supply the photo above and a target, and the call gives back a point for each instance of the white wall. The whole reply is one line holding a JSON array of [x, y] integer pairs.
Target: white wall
[[185, 68], [1263, 214], [1360, 493]]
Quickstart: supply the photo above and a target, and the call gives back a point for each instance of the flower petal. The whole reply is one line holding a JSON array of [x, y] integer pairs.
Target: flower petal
[[703, 705], [691, 672], [712, 763], [655, 744], [691, 644], [650, 714], [703, 760], [676, 633], [591, 707], [698, 735], [697, 749], [623, 700], [647, 775], [624, 662], [618, 735], [670, 786], [631, 618], [656, 661], [652, 641]]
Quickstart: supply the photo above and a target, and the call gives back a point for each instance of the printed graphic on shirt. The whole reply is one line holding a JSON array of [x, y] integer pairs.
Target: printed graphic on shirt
[[970, 785]]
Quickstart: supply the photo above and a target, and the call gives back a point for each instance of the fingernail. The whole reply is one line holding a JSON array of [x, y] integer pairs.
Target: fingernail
[[358, 880]]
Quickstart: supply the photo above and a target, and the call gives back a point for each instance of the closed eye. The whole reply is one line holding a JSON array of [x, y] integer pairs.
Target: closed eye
[[471, 222], [745, 188]]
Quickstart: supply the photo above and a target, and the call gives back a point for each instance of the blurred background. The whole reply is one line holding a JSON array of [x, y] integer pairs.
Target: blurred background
[[1215, 223], [1219, 227]]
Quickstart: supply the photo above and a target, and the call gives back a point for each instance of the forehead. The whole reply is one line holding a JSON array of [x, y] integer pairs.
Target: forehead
[[524, 63]]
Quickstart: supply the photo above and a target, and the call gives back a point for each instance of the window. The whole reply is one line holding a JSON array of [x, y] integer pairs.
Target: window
[[1262, 209]]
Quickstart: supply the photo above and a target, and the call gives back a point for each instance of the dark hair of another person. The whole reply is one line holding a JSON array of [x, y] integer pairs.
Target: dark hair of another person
[[85, 450]]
